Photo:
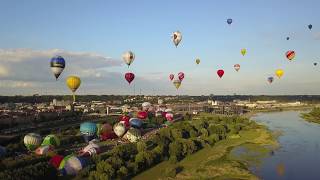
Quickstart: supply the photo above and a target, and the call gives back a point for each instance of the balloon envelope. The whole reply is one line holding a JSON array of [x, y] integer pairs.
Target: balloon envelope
[[133, 135], [119, 129], [290, 55], [279, 73], [32, 141], [220, 73], [288, 38], [171, 76], [177, 83], [315, 64], [229, 21], [71, 165], [142, 115], [128, 57], [237, 67], [52, 140], [73, 82], [243, 52], [169, 117], [181, 76], [270, 79], [129, 77], [57, 65], [135, 122], [176, 38], [88, 130], [198, 61], [310, 26], [56, 160]]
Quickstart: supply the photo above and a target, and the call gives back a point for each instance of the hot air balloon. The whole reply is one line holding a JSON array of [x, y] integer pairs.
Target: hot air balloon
[[45, 150], [290, 55], [133, 135], [229, 21], [288, 38], [315, 64], [88, 130], [237, 67], [177, 83], [176, 38], [181, 76], [135, 122], [169, 117], [220, 73], [71, 165], [310, 26], [56, 160], [198, 61], [103, 129], [57, 65], [119, 129], [171, 76], [142, 115], [279, 73], [270, 79], [73, 82], [91, 149], [52, 140], [32, 141], [128, 57], [146, 106], [243, 52], [129, 77]]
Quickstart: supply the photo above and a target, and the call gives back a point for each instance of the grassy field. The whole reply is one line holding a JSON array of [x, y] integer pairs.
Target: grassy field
[[312, 116], [217, 162]]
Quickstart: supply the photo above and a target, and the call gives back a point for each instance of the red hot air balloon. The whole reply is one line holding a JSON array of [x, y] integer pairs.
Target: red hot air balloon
[[181, 76], [169, 117], [56, 160], [129, 77], [171, 76], [142, 115], [220, 73], [124, 118], [290, 55]]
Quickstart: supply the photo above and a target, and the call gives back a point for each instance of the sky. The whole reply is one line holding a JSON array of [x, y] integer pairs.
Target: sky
[[92, 35]]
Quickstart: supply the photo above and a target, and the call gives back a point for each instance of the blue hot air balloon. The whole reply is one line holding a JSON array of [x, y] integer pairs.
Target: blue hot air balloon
[[310, 26], [270, 79], [135, 122], [57, 65], [88, 130], [229, 21]]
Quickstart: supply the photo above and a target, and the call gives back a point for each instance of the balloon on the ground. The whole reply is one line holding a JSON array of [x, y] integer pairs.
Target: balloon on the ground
[[279, 73], [243, 52], [135, 122], [220, 73], [176, 38], [57, 65], [146, 106], [177, 83], [169, 117], [104, 128], [181, 76], [91, 149], [133, 135], [52, 140], [270, 79], [45, 150], [119, 129], [171, 76], [73, 82], [71, 165], [237, 67], [229, 21], [142, 115], [56, 160], [198, 61], [128, 57], [88, 130], [32, 141], [129, 77], [290, 54]]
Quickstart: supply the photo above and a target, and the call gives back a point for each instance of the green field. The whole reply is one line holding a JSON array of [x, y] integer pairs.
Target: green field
[[312, 116]]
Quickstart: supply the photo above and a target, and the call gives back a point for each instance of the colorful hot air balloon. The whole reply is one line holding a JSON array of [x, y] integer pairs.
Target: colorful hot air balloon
[[142, 115], [270, 79], [73, 82], [45, 150], [171, 76], [57, 65], [169, 116], [56, 160], [288, 38], [133, 135], [32, 141], [220, 73], [181, 76], [290, 55], [51, 140], [119, 129], [91, 149], [237, 67], [135, 122], [279, 73], [103, 129], [128, 57], [310, 26], [88, 130], [177, 83], [129, 77], [176, 38], [243, 52], [198, 61], [71, 165], [146, 106], [229, 21]]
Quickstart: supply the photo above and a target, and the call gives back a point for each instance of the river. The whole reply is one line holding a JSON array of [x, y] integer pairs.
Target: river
[[298, 157]]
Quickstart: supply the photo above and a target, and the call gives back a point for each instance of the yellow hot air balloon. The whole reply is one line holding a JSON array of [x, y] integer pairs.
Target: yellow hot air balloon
[[73, 82], [177, 83], [198, 61], [243, 52], [279, 73]]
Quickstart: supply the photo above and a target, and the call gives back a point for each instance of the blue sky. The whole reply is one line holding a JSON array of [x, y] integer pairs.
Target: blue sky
[[109, 28]]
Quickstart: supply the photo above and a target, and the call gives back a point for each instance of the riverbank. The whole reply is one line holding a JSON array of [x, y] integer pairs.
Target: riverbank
[[312, 116], [216, 161]]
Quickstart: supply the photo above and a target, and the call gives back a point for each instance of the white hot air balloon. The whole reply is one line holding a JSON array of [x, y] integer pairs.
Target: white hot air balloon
[[176, 38], [128, 57]]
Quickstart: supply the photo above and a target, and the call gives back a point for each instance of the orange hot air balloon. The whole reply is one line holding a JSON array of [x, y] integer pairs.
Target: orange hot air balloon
[[290, 55]]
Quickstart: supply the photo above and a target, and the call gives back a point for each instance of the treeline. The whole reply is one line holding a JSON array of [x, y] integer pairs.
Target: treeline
[[173, 143]]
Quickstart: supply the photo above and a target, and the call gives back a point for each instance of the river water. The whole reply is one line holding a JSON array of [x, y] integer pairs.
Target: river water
[[298, 157]]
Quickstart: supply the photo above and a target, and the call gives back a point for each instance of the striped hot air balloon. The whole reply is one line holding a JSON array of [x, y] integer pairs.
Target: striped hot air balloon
[[32, 141], [71, 165], [290, 55], [133, 135]]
